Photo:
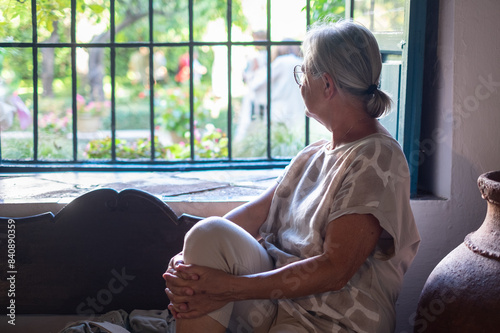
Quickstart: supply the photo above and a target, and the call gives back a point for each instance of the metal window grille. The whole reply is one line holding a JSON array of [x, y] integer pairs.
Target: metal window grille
[[74, 162]]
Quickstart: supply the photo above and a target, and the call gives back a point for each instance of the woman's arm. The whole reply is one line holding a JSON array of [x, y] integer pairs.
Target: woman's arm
[[349, 241], [252, 215]]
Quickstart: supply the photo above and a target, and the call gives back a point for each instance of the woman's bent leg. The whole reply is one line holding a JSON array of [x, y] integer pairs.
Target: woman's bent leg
[[221, 244]]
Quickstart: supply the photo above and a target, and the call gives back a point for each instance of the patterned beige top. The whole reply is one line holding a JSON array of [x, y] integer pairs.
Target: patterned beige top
[[368, 176]]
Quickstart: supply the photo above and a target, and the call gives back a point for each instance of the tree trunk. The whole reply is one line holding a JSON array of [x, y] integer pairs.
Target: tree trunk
[[96, 73], [48, 60], [96, 59]]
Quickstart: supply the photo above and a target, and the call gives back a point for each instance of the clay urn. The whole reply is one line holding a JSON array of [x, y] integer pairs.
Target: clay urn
[[462, 293]]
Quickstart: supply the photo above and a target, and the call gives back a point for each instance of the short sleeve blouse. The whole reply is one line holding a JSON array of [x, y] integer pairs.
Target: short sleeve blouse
[[368, 176]]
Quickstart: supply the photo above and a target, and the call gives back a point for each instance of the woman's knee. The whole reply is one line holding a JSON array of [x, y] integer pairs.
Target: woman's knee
[[207, 229], [219, 243], [210, 241]]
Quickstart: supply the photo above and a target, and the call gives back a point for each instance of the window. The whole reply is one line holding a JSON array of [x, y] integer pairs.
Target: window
[[178, 84], [399, 26]]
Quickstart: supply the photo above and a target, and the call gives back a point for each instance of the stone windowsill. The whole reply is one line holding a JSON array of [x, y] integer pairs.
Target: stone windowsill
[[202, 193]]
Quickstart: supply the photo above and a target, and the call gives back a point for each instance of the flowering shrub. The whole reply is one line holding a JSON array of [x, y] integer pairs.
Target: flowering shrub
[[52, 123], [210, 142], [138, 149], [173, 109], [93, 108]]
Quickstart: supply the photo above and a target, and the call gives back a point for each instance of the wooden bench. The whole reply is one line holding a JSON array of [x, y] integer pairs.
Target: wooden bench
[[104, 251]]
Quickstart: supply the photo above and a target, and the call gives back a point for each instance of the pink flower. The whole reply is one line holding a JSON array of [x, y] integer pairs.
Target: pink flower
[[90, 106], [23, 112], [197, 134]]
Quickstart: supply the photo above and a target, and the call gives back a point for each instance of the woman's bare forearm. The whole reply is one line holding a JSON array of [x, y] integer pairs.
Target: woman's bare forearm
[[306, 277], [349, 241], [253, 214]]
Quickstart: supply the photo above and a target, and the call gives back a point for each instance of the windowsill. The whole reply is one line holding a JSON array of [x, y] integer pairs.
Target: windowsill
[[200, 193], [427, 197]]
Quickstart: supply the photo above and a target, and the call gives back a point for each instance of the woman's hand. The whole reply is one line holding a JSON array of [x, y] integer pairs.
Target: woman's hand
[[196, 290], [177, 260]]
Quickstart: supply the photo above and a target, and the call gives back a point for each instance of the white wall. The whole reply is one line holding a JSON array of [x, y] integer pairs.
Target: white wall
[[465, 140]]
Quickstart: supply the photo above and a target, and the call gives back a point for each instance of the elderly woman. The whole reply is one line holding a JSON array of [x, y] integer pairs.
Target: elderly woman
[[336, 231]]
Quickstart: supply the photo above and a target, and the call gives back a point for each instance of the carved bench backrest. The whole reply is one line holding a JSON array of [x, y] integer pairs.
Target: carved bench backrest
[[104, 251]]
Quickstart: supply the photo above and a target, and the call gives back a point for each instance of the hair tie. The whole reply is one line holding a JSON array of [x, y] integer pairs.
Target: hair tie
[[371, 89]]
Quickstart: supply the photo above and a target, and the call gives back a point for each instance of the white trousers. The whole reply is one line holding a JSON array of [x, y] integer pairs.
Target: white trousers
[[221, 244]]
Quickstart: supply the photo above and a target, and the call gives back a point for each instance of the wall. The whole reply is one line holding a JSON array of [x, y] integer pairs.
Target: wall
[[461, 132]]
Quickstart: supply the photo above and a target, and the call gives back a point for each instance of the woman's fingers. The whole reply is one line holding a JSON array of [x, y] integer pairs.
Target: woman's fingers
[[177, 286], [172, 310], [190, 315], [183, 311], [181, 270], [187, 272], [179, 295], [175, 307]]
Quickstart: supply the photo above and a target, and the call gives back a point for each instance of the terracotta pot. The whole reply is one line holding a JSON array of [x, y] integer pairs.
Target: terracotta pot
[[462, 294]]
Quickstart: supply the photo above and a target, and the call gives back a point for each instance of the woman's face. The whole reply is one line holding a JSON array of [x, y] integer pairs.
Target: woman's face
[[312, 94]]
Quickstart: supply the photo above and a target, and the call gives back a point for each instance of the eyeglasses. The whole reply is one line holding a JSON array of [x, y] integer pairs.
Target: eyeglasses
[[298, 75]]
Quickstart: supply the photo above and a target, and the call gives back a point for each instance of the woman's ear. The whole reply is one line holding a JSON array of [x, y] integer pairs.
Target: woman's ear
[[329, 88]]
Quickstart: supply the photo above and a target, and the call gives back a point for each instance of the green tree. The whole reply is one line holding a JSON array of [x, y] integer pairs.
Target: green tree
[[322, 8]]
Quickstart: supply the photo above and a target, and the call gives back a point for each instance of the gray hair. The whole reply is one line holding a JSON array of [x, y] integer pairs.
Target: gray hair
[[350, 54]]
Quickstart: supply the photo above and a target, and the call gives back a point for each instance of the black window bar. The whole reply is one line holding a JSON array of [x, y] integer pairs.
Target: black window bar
[[152, 164]]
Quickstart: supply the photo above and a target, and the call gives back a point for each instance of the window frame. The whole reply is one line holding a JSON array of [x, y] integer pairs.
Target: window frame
[[412, 87]]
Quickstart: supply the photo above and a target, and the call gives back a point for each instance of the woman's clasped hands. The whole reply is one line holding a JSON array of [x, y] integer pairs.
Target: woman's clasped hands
[[194, 290]]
